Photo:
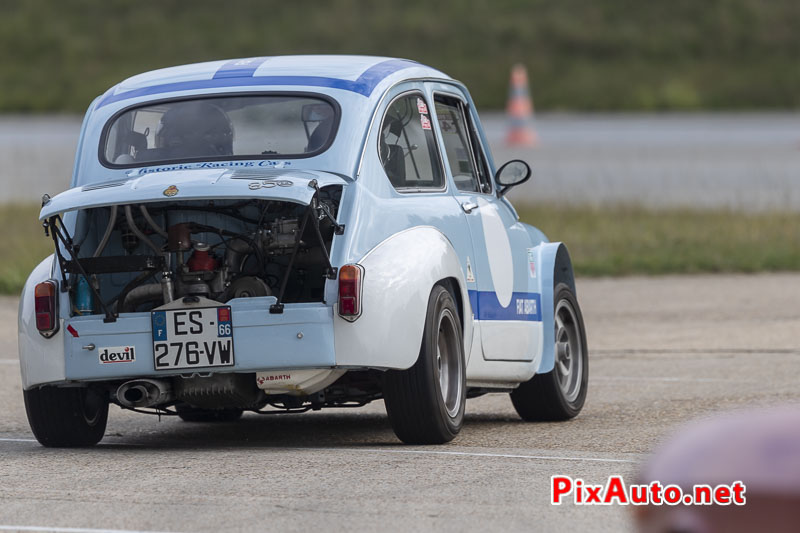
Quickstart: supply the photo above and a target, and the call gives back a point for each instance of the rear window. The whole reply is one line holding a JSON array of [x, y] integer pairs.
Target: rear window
[[219, 128]]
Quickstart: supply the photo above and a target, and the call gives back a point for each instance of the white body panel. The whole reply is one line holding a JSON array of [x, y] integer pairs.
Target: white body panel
[[498, 374], [498, 252], [41, 360], [403, 268], [512, 340]]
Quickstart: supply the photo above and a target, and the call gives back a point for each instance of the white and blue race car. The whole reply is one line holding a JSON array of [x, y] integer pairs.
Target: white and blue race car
[[279, 234]]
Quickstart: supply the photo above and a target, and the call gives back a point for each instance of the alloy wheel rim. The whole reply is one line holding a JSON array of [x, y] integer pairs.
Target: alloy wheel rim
[[449, 363], [568, 350]]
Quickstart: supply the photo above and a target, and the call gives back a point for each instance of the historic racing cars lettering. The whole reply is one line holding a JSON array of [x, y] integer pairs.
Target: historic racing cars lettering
[[213, 164]]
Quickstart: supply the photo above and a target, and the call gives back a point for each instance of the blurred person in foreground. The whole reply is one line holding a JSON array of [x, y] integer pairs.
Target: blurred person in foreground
[[761, 448]]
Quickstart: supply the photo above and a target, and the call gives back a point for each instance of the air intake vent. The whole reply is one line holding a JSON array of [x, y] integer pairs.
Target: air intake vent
[[250, 174], [219, 391], [105, 185]]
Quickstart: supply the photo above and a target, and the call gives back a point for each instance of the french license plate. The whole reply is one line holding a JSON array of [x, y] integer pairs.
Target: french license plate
[[192, 338]]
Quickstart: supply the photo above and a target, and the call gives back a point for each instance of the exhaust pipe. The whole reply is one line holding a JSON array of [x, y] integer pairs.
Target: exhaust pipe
[[145, 393]]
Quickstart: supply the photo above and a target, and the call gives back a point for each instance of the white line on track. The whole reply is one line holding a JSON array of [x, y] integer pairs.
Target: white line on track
[[479, 454], [9, 439], [415, 452], [46, 529], [668, 379], [9, 361], [684, 351]]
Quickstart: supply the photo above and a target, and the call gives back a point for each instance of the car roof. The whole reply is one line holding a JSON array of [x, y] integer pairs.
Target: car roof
[[358, 74]]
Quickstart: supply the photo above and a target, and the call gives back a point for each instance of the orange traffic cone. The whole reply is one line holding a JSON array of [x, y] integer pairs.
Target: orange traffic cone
[[520, 110]]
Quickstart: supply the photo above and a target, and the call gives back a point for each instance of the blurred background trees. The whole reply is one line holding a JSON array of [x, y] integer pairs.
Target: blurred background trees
[[581, 55]]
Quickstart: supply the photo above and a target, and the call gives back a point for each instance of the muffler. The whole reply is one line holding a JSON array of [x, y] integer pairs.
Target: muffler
[[145, 393]]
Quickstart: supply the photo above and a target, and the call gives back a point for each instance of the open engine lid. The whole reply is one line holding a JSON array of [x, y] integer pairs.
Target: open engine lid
[[194, 184]]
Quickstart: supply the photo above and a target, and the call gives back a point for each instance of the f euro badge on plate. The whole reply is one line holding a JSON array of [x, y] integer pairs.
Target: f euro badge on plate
[[192, 338]]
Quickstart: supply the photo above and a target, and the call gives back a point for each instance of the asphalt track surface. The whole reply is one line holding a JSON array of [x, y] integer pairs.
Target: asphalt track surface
[[663, 351]]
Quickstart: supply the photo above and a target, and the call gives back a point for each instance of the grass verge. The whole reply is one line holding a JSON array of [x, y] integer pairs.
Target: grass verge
[[22, 245], [614, 54], [630, 240], [602, 241]]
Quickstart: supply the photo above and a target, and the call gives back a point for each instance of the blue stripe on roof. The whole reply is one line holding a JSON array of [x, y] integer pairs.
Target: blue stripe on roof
[[364, 85], [239, 68]]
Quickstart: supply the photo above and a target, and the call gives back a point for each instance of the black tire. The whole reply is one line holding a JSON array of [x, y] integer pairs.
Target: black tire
[[556, 395], [189, 413], [66, 417], [420, 413]]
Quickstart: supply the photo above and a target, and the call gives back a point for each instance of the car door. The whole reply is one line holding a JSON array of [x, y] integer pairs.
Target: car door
[[420, 192], [505, 301]]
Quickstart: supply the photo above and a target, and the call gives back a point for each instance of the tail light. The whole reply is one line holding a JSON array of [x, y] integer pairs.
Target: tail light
[[350, 277], [45, 304]]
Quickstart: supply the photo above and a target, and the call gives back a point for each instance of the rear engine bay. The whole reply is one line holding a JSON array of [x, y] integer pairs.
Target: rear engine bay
[[134, 258]]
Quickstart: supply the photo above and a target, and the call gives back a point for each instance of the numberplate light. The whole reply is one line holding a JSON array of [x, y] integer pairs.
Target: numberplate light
[[350, 277], [46, 308]]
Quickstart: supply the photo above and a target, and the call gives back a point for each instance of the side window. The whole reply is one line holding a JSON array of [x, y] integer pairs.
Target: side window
[[480, 158], [456, 138], [407, 148]]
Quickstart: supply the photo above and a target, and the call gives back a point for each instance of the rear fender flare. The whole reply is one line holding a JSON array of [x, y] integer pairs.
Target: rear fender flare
[[41, 360], [399, 274]]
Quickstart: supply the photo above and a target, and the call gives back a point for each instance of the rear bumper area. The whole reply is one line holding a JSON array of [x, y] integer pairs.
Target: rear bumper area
[[300, 337]]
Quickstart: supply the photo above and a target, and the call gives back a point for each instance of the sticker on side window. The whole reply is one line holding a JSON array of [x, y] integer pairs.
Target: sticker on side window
[[421, 106], [426, 123]]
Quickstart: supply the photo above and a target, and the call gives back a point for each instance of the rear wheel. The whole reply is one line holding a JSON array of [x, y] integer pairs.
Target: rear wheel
[[425, 403], [66, 417], [188, 413], [560, 393]]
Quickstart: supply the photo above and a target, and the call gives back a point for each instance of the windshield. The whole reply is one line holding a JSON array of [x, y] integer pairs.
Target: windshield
[[236, 127]]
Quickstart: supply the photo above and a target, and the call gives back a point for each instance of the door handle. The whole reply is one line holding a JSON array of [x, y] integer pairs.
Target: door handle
[[468, 207]]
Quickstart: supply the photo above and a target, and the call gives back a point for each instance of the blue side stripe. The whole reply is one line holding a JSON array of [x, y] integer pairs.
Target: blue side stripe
[[364, 85], [239, 68], [525, 306]]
